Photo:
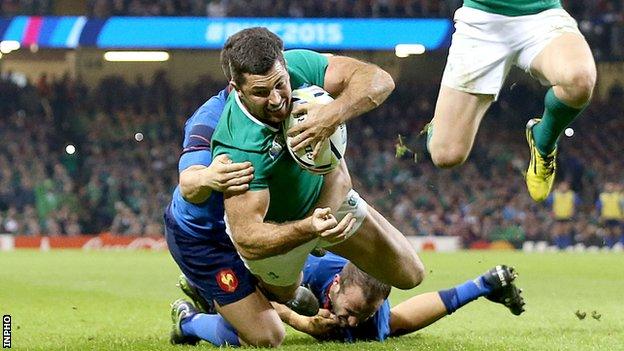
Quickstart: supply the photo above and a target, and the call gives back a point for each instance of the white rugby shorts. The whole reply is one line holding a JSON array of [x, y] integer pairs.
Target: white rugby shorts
[[486, 45], [284, 270]]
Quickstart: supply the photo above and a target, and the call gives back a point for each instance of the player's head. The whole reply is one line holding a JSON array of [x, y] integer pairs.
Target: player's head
[[253, 60], [356, 296]]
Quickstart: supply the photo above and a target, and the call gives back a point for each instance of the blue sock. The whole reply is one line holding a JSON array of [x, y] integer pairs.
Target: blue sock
[[212, 328], [460, 295]]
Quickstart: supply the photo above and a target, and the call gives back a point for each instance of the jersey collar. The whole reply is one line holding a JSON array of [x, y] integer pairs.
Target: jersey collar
[[252, 118]]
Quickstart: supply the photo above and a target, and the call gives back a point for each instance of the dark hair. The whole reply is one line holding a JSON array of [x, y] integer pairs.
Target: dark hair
[[253, 51], [372, 289]]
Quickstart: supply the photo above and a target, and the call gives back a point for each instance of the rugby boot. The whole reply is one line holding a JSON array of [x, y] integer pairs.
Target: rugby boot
[[304, 302], [180, 310], [540, 175], [500, 280], [191, 291]]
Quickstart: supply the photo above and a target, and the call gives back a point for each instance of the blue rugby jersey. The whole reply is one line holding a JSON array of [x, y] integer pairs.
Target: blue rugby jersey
[[319, 274], [200, 220]]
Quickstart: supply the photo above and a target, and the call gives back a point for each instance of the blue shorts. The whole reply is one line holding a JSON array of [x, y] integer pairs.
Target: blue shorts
[[211, 263]]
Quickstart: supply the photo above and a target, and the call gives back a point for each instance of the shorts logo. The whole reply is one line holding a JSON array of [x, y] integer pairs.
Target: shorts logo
[[227, 280]]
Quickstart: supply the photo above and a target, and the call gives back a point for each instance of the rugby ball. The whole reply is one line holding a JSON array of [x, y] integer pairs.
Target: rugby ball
[[332, 149]]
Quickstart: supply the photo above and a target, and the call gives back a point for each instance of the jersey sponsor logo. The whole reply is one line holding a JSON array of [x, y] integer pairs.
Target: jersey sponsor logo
[[227, 280], [277, 146]]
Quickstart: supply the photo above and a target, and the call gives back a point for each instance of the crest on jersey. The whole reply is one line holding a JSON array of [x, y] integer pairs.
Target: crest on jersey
[[227, 280], [277, 146]]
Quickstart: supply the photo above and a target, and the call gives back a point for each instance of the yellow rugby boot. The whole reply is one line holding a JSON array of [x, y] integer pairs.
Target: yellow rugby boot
[[541, 173]]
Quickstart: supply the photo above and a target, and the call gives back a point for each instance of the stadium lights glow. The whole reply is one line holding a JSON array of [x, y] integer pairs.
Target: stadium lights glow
[[404, 50], [7, 46], [136, 56]]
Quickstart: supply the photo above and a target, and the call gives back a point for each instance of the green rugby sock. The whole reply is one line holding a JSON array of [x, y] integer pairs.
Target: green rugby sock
[[557, 116]]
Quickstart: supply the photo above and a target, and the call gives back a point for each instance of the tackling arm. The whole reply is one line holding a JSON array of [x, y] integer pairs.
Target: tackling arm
[[198, 181]]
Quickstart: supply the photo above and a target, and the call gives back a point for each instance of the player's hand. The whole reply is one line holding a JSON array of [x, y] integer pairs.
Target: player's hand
[[328, 228], [322, 220], [323, 324], [226, 176], [318, 126]]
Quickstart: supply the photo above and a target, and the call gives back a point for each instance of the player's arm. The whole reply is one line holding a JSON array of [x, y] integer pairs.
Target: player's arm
[[359, 87], [256, 239], [322, 326], [198, 181]]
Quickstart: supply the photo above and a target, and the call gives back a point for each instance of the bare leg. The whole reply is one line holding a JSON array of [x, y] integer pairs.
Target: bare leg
[[381, 250], [567, 63], [247, 314], [455, 123], [416, 313], [280, 294]]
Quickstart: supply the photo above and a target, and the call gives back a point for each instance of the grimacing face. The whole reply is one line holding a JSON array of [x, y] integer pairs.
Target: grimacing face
[[349, 306], [267, 97]]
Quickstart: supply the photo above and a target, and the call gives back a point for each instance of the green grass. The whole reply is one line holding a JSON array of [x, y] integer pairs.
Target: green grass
[[74, 300]]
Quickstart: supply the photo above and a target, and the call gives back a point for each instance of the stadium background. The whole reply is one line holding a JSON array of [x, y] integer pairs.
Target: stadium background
[[53, 97], [109, 193]]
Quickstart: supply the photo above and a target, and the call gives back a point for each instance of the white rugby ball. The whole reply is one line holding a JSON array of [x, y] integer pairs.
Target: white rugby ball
[[332, 150]]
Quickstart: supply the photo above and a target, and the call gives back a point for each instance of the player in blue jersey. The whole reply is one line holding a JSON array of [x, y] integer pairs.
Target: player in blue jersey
[[356, 307], [195, 233], [208, 254]]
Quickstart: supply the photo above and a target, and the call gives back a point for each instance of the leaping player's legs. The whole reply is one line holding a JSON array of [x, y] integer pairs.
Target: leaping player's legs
[[566, 63], [382, 251], [457, 117], [476, 67], [558, 55]]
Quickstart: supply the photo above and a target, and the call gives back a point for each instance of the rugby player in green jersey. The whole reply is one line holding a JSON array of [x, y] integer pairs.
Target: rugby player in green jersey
[[490, 36], [276, 223]]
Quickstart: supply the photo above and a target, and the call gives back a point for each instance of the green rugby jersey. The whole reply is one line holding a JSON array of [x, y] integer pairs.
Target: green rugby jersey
[[513, 7], [293, 190]]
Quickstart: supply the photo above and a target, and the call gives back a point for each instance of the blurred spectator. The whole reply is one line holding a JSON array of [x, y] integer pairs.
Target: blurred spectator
[[564, 203], [610, 207]]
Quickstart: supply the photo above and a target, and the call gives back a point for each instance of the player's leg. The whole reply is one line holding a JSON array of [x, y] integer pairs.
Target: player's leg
[[566, 63], [247, 314], [476, 67], [456, 121], [562, 59], [218, 275], [236, 324], [381, 250], [422, 310]]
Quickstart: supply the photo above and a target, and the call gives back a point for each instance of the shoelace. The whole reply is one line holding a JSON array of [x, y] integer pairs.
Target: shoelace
[[549, 164]]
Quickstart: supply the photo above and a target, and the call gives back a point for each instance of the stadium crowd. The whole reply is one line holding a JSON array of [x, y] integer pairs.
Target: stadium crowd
[[119, 181], [601, 21]]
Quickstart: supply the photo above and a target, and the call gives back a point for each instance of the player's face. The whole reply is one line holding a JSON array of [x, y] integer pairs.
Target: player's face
[[350, 307], [267, 96]]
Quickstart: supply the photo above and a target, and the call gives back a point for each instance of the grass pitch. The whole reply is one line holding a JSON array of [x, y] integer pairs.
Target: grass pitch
[[75, 300]]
